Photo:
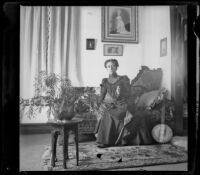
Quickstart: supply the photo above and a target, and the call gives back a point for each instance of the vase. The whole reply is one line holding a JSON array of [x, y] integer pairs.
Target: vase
[[66, 112], [66, 115]]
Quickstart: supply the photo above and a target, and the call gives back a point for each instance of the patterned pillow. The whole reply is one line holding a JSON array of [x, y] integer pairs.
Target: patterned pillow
[[148, 98]]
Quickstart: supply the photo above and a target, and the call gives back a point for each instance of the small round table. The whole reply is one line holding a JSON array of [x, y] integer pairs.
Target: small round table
[[63, 127]]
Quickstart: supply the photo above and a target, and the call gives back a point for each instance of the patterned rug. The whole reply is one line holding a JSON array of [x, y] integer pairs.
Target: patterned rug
[[93, 158]]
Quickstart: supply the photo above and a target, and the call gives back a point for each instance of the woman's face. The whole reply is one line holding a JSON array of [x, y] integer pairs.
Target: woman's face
[[111, 67], [118, 12]]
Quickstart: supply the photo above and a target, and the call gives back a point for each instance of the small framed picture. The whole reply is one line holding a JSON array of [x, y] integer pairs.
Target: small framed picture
[[163, 47], [90, 44], [113, 50]]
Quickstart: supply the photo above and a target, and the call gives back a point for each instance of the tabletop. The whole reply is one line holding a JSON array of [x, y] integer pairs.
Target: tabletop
[[64, 122]]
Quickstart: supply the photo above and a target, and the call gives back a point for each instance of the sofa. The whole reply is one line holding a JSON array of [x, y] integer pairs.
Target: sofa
[[146, 94]]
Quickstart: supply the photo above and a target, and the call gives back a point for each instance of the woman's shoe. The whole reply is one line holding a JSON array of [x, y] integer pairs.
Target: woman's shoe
[[124, 143]]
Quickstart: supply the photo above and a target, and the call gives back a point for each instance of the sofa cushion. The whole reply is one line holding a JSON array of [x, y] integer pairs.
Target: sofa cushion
[[152, 98], [148, 98]]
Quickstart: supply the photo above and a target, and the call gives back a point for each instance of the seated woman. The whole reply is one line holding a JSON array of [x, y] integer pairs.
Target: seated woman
[[118, 123]]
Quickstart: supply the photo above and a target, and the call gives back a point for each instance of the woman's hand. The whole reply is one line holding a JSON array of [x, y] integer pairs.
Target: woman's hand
[[128, 117]]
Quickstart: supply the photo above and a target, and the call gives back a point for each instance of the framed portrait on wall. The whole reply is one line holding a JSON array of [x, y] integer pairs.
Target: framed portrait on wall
[[120, 24], [163, 47], [113, 50], [90, 44]]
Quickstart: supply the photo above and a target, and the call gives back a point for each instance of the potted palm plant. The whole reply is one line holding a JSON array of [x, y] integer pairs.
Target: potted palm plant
[[52, 91]]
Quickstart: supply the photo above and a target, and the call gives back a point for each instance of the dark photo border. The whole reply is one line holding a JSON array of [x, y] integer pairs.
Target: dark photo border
[[10, 82]]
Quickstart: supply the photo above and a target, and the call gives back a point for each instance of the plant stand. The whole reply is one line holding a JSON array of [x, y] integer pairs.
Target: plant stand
[[64, 128]]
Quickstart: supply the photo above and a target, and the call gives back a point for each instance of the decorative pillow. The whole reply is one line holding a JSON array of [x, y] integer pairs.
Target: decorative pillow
[[148, 98], [152, 98], [137, 91]]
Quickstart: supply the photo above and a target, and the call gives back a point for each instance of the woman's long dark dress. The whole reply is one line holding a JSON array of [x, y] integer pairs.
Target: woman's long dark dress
[[113, 110]]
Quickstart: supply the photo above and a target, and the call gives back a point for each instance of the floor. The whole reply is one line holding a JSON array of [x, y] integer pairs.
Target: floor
[[32, 148]]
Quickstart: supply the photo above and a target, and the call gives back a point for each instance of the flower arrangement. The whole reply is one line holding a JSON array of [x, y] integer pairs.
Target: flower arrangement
[[52, 91]]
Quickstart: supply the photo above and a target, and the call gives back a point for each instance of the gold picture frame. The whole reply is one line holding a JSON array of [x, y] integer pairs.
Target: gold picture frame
[[120, 24]]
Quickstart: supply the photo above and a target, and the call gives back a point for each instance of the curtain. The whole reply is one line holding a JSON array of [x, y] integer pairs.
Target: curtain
[[179, 48], [49, 40], [178, 16]]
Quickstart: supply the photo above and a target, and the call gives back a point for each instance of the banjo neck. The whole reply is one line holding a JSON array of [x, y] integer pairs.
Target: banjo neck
[[163, 111]]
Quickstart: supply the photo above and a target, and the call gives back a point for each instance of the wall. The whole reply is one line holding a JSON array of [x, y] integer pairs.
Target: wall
[[157, 26], [154, 24], [93, 60]]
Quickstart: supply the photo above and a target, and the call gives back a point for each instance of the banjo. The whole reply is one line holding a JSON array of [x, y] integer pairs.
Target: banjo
[[162, 133]]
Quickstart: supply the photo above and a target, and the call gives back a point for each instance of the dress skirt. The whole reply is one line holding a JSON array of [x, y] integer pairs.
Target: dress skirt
[[136, 132]]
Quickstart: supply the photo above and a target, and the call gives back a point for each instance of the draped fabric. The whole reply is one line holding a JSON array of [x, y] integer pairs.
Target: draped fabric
[[179, 47], [178, 16], [49, 40]]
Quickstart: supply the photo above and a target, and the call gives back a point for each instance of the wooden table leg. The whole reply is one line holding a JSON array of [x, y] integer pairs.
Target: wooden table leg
[[64, 147], [54, 136], [76, 141], [55, 145]]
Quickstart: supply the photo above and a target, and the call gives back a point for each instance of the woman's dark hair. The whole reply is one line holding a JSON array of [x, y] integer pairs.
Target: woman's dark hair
[[114, 61]]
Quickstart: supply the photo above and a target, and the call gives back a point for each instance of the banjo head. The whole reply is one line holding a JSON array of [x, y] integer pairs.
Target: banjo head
[[162, 133]]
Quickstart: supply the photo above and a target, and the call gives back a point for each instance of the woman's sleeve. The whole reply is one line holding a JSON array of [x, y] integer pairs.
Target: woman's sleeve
[[127, 87], [103, 91], [130, 100], [131, 106]]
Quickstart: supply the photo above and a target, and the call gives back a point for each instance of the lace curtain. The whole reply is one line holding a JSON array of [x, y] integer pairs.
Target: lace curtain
[[49, 40]]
